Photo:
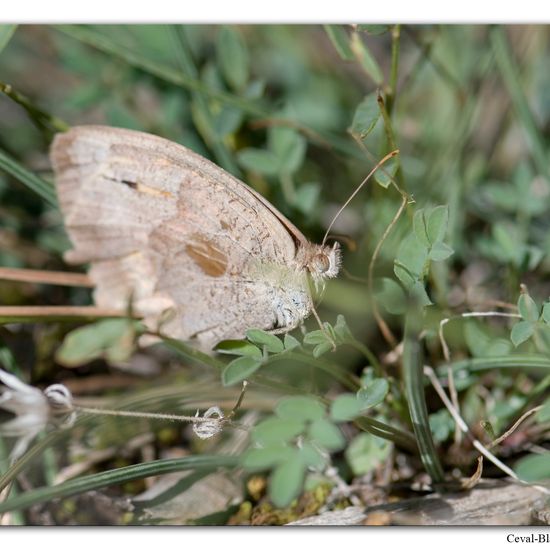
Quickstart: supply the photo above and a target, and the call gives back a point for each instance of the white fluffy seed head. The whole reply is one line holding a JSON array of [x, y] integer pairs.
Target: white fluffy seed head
[[210, 428], [59, 398]]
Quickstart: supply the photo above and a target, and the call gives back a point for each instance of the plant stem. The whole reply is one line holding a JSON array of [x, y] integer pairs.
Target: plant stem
[[392, 89]]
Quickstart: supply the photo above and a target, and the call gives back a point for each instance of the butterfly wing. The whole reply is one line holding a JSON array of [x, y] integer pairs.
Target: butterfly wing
[[176, 233]]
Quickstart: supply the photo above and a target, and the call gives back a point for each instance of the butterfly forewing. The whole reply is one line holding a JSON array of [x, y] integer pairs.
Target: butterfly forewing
[[167, 227]]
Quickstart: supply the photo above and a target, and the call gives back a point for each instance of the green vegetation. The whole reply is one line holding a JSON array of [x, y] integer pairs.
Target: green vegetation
[[446, 264]]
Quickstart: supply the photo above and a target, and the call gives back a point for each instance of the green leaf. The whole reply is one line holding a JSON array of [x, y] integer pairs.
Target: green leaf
[[373, 394], [384, 174], [264, 339], [419, 294], [326, 434], [391, 296], [437, 222], [290, 342], [307, 197], [521, 332], [311, 456], [286, 482], [111, 339], [340, 40], [320, 340], [534, 467], [342, 331], [239, 369], [420, 228], [441, 425], [6, 32], [315, 337], [345, 407], [227, 121], [321, 349], [509, 242], [288, 146], [366, 59], [410, 262], [546, 312], [238, 347], [233, 57], [366, 116], [544, 414], [275, 430], [542, 337], [440, 251], [264, 458], [480, 344], [366, 452], [528, 308], [259, 160], [300, 408]]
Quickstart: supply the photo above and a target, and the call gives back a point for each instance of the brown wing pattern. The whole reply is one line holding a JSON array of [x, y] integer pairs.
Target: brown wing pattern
[[175, 231]]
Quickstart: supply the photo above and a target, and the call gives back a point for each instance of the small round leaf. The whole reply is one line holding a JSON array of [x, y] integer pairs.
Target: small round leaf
[[327, 434], [240, 369], [345, 407], [300, 408], [286, 482], [275, 430], [373, 394]]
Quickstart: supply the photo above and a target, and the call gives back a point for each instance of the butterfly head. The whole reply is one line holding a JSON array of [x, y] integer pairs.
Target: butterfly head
[[325, 261]]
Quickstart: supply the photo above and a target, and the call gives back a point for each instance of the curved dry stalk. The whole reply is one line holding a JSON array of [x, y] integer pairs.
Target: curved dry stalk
[[515, 426]]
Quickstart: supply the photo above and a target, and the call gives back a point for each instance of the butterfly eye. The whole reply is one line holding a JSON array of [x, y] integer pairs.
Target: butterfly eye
[[320, 264]]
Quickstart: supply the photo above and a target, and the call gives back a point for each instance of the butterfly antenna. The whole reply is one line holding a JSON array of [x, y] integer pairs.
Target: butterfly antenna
[[385, 159]]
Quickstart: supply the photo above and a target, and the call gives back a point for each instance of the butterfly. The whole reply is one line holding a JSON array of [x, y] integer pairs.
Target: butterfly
[[202, 256]]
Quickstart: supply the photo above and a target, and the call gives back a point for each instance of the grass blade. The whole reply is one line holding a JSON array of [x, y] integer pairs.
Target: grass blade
[[479, 364], [41, 118], [6, 33], [512, 80], [117, 477], [26, 177], [413, 375]]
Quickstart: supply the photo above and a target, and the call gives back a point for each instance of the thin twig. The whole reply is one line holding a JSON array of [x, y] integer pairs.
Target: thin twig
[[31, 312], [62, 278], [515, 426]]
